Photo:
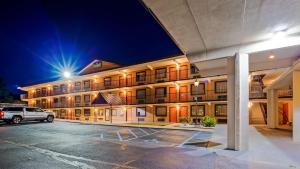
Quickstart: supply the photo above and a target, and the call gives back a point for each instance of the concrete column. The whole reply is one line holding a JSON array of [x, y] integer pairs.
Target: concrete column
[[272, 109], [296, 106], [237, 104]]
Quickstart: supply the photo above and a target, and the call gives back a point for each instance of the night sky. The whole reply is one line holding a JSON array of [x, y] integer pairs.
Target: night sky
[[40, 37]]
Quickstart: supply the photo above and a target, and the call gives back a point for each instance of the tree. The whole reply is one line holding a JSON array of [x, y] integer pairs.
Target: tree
[[5, 94]]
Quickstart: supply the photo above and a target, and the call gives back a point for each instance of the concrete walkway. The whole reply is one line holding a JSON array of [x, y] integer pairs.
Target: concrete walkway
[[267, 147]]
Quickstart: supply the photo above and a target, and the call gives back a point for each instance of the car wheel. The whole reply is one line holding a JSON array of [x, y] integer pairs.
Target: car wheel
[[50, 119], [16, 119]]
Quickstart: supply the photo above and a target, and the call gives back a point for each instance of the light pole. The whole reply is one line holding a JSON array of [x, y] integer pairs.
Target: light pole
[[196, 84]]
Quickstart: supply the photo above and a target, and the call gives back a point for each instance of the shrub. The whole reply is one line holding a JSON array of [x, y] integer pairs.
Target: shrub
[[183, 120], [208, 121]]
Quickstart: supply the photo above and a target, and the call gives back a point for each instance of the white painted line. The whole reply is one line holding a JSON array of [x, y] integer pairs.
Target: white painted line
[[188, 139], [145, 135], [64, 157], [144, 131], [133, 133], [119, 135], [153, 129], [101, 135]]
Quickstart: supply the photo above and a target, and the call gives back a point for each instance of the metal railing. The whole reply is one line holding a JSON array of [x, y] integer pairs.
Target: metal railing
[[127, 81]]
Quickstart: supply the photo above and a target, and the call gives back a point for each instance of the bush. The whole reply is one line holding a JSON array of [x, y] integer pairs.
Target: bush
[[183, 120], [208, 121]]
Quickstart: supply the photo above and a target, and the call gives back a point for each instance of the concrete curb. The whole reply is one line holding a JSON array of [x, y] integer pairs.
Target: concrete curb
[[137, 126]]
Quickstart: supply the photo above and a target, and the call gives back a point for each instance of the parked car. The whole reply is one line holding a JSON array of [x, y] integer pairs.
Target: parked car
[[18, 114]]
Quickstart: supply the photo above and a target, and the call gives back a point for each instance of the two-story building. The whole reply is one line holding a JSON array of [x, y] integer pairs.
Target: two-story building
[[161, 91]]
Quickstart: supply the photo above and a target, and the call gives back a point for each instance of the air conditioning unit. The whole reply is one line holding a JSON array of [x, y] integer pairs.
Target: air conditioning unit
[[197, 99], [141, 101], [222, 97], [160, 101], [161, 119]]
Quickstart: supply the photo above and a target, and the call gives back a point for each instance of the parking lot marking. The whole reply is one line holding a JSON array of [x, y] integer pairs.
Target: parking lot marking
[[144, 131], [145, 135], [119, 135], [59, 157], [188, 139], [132, 133], [152, 129], [101, 135]]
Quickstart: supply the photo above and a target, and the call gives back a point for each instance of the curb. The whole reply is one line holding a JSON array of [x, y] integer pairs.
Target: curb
[[137, 126]]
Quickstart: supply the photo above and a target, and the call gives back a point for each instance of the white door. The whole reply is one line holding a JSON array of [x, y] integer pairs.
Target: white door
[[29, 113]]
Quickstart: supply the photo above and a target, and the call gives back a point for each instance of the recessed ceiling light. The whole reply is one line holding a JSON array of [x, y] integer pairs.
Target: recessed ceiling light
[[271, 57]]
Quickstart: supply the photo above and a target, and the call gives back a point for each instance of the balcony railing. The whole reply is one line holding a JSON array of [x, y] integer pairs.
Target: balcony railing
[[127, 81]]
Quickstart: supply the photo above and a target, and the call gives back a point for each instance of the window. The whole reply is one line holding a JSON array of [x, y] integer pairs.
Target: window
[[97, 64], [141, 76], [38, 103], [63, 100], [13, 109], [117, 112], [77, 86], [77, 112], [87, 98], [198, 90], [38, 110], [55, 102], [220, 86], [87, 112], [55, 89], [161, 111], [141, 111], [30, 109], [107, 81], [38, 92], [77, 99], [221, 110], [44, 91], [62, 113], [63, 88], [141, 94], [161, 73], [86, 84], [160, 92], [198, 110]]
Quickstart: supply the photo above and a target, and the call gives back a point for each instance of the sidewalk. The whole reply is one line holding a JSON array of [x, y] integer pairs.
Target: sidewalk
[[169, 126]]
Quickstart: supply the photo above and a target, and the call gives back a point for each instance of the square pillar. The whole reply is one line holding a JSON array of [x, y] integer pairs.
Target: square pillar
[[237, 102], [296, 106], [272, 109]]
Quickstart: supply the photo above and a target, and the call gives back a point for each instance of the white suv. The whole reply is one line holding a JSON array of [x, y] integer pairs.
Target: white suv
[[18, 114]]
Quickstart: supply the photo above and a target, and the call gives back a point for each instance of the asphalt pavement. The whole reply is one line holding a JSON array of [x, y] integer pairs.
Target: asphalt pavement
[[72, 145]]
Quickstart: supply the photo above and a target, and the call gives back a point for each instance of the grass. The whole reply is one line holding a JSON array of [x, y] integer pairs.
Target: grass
[[148, 124]]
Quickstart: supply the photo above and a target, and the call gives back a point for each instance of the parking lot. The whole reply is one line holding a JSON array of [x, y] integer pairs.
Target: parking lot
[[75, 145]]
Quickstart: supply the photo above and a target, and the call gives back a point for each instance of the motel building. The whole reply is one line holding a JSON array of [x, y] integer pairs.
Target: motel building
[[240, 64]]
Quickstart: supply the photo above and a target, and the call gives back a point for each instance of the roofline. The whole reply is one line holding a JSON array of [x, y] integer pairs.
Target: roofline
[[25, 88]]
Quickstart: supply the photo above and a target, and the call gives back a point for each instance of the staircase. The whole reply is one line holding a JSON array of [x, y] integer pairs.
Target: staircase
[[263, 107]]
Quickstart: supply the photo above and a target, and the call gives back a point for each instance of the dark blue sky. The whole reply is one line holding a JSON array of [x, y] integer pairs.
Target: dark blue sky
[[36, 36]]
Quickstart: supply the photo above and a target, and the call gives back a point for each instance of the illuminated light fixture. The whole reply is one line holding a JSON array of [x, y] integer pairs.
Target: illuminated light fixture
[[124, 75], [69, 98], [48, 100], [67, 74], [95, 109], [177, 86], [95, 95], [250, 104], [249, 78], [49, 88], [177, 66], [271, 57], [124, 92], [124, 109], [69, 111], [196, 83], [95, 80], [177, 107]]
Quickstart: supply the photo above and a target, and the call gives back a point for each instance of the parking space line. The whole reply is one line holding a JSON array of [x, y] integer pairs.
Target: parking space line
[[153, 129], [144, 131], [132, 133], [145, 135], [101, 135], [119, 135], [188, 139]]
